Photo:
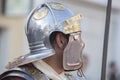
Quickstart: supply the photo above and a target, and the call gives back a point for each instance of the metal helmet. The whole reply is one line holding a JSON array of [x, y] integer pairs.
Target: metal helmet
[[42, 22]]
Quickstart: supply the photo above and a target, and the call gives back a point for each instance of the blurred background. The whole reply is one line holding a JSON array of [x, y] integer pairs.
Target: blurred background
[[13, 41]]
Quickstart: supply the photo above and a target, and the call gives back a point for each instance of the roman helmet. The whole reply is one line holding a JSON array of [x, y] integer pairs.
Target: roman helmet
[[44, 20]]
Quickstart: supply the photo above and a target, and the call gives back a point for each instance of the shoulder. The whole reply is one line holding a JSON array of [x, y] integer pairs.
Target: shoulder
[[15, 74], [24, 72]]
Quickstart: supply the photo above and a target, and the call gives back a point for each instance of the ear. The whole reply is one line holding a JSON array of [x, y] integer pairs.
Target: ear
[[60, 40]]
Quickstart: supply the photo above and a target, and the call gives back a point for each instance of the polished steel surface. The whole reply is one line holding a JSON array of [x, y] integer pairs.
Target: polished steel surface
[[42, 21]]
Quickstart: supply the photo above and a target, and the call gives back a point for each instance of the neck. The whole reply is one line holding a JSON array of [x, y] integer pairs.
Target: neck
[[55, 62]]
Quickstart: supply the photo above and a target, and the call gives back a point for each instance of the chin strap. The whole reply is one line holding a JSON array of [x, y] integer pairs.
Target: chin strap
[[106, 37]]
